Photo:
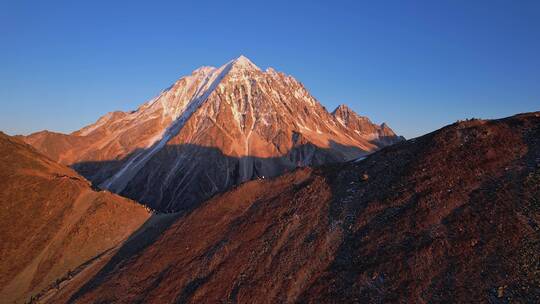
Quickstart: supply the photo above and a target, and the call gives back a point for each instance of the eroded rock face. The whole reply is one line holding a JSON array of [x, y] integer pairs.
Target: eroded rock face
[[52, 222], [380, 135], [453, 214], [209, 131]]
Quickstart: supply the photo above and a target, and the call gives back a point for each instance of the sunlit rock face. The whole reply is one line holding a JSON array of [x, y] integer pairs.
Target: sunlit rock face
[[209, 131], [380, 135], [52, 221]]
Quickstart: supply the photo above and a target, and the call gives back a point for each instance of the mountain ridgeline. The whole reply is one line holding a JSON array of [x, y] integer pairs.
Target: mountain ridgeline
[[452, 216], [210, 131]]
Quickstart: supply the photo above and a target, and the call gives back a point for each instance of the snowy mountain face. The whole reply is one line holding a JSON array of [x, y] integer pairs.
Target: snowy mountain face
[[209, 131]]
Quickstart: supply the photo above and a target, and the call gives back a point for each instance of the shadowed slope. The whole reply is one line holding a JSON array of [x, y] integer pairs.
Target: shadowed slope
[[454, 215], [200, 172], [51, 221]]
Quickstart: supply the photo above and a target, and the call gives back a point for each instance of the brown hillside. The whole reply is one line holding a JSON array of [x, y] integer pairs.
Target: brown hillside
[[453, 216], [51, 221]]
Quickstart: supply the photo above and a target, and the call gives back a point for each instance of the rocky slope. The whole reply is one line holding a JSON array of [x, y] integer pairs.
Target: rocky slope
[[209, 131], [381, 135], [451, 216], [52, 221]]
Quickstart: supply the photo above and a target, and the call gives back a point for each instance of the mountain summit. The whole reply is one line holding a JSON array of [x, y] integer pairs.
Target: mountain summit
[[244, 62], [210, 131]]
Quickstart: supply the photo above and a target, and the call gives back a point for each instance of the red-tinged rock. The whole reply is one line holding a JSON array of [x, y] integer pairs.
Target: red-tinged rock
[[399, 237], [52, 222], [209, 131]]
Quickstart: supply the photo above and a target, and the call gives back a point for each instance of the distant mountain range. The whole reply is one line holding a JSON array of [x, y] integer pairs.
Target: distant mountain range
[[209, 131]]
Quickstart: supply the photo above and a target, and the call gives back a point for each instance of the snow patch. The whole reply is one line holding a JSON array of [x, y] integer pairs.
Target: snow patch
[[360, 159], [244, 62], [119, 181]]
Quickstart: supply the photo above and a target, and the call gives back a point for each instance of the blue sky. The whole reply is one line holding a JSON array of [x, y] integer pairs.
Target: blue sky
[[417, 65]]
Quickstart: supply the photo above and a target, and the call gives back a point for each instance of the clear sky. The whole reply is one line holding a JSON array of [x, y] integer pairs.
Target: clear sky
[[418, 65]]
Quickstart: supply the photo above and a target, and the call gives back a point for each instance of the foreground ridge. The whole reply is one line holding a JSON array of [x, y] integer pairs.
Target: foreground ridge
[[452, 215]]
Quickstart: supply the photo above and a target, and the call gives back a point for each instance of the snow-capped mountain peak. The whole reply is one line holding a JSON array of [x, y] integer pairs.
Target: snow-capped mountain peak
[[211, 130], [242, 62]]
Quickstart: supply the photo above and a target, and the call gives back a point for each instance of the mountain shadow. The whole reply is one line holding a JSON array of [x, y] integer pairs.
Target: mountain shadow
[[196, 173]]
